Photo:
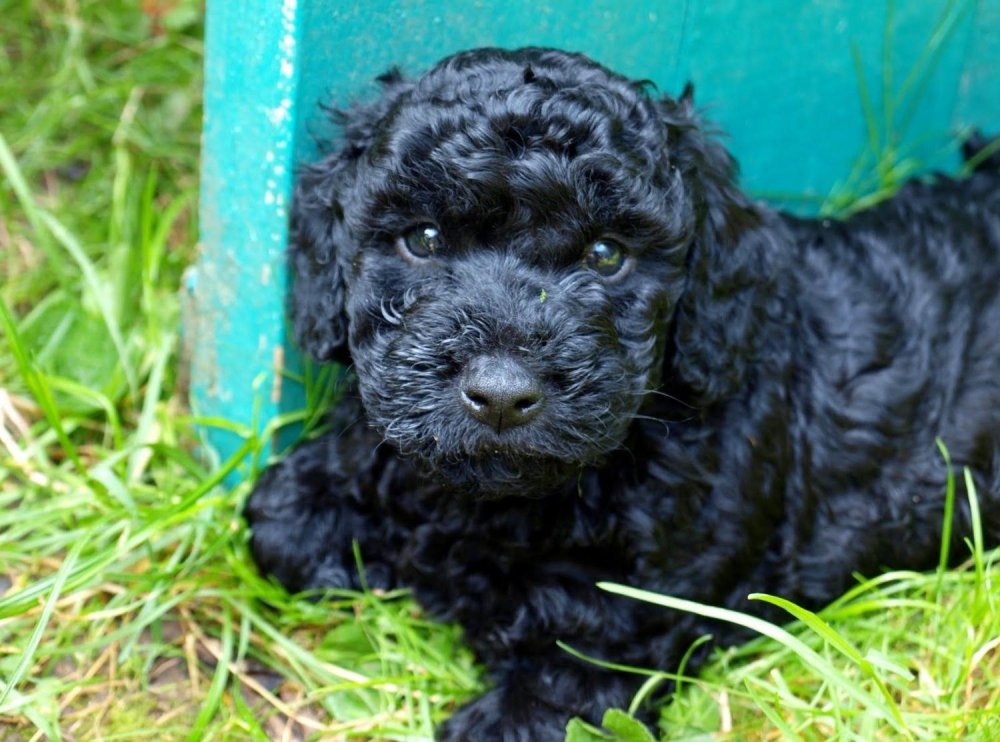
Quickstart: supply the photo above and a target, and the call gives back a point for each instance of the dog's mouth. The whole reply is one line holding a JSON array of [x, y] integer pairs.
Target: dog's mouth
[[495, 473], [475, 461], [523, 462]]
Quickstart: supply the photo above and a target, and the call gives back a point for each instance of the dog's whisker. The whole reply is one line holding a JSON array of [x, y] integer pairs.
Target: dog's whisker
[[660, 393], [665, 423], [348, 426]]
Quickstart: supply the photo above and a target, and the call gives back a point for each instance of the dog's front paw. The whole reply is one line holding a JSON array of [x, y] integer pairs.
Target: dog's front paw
[[505, 716], [304, 528]]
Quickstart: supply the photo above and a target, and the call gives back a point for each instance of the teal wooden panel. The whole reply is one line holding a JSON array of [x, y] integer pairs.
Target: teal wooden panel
[[346, 45], [979, 87], [784, 79], [235, 327], [781, 80]]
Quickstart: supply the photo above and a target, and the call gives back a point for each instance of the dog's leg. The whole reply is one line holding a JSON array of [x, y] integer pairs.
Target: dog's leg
[[305, 512], [536, 697]]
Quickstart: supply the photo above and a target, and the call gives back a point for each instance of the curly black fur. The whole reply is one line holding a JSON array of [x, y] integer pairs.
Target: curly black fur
[[750, 405]]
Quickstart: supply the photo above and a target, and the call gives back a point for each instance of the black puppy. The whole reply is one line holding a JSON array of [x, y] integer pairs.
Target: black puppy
[[580, 353]]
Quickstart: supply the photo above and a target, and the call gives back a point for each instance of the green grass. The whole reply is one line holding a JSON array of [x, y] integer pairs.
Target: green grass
[[886, 161], [903, 656], [128, 603]]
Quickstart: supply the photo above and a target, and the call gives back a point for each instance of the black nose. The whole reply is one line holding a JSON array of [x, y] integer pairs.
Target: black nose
[[500, 392]]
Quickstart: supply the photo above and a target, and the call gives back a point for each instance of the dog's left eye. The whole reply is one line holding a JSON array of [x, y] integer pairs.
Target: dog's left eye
[[420, 242], [607, 258]]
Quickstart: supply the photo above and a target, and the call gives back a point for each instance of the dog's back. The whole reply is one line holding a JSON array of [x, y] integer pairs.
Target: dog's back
[[899, 347]]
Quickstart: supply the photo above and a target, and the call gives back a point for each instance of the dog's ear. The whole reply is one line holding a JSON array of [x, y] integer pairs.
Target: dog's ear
[[729, 271], [318, 292], [318, 232]]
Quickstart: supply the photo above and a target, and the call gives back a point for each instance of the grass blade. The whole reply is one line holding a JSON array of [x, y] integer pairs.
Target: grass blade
[[28, 654], [822, 628], [219, 680], [949, 517], [822, 666], [35, 381], [14, 176], [100, 296]]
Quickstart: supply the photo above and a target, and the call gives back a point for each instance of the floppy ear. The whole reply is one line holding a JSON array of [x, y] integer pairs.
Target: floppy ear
[[318, 292], [318, 233], [730, 266]]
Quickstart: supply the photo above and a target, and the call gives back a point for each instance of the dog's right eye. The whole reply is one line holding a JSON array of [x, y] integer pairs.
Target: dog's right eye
[[608, 258], [420, 242]]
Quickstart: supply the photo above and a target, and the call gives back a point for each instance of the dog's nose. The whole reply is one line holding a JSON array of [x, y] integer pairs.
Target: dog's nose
[[500, 392]]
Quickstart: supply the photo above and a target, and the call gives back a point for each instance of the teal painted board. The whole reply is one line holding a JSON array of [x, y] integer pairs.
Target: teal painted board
[[806, 91], [979, 87], [346, 45], [235, 309], [781, 80]]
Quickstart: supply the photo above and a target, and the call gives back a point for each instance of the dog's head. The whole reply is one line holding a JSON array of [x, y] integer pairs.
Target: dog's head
[[499, 248]]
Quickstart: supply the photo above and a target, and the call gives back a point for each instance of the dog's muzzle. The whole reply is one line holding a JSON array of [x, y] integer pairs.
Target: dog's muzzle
[[501, 392]]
